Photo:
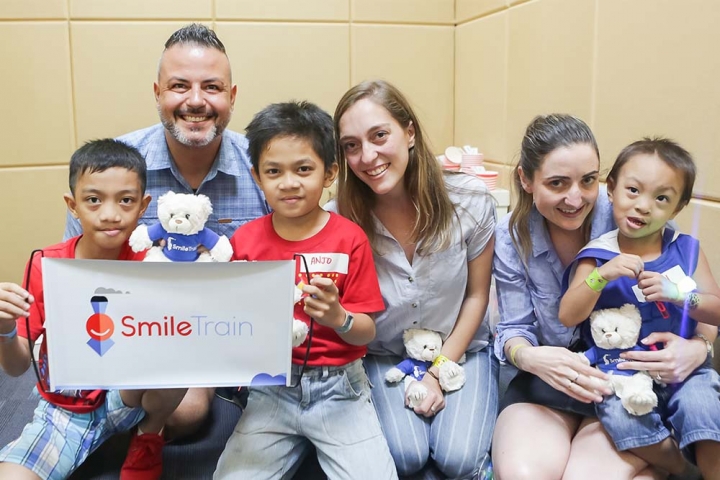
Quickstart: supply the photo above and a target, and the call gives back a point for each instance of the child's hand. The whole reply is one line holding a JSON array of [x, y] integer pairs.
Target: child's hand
[[657, 288], [14, 302], [322, 302], [624, 265]]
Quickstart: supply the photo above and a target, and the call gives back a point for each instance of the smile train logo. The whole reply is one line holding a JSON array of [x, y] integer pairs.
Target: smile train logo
[[99, 326]]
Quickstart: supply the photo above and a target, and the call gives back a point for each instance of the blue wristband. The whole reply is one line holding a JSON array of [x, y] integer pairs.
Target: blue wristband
[[10, 335]]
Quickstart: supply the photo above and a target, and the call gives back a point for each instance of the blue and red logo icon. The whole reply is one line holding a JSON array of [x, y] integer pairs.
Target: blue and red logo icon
[[99, 326]]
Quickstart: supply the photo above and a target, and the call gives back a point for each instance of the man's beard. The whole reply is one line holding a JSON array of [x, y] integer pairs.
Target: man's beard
[[177, 133]]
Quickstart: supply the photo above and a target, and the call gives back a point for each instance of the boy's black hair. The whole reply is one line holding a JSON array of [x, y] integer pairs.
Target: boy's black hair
[[670, 152], [195, 34], [303, 120], [100, 155]]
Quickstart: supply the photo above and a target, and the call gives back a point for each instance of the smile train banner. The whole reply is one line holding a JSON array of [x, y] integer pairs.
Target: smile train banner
[[130, 325]]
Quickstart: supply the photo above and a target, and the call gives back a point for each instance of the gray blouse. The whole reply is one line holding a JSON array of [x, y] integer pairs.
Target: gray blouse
[[429, 293]]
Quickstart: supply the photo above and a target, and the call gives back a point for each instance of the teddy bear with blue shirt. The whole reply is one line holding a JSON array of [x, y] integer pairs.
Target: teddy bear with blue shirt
[[614, 331], [182, 229], [423, 347]]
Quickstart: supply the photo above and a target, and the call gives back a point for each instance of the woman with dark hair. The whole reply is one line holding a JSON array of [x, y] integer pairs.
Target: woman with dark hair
[[547, 427]]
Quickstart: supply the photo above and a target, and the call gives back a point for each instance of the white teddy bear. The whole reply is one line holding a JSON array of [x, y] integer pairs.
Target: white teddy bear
[[423, 347], [182, 227], [616, 330], [300, 328]]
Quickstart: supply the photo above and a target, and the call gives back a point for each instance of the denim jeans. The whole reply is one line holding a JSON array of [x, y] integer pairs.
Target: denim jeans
[[330, 408], [690, 409], [458, 437]]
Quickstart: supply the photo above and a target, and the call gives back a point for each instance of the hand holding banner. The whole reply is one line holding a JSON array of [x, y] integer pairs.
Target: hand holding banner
[[164, 325]]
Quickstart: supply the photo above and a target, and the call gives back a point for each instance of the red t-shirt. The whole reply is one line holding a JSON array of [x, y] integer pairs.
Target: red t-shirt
[[340, 251], [78, 401]]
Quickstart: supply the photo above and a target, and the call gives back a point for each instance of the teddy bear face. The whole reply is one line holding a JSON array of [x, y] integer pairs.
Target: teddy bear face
[[422, 344], [184, 214], [616, 327]]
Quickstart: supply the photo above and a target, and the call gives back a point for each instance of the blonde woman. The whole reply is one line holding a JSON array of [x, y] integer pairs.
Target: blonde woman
[[432, 236]]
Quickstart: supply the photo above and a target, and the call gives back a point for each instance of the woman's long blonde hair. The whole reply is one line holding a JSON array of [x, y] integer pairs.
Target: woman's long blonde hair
[[423, 177], [544, 134]]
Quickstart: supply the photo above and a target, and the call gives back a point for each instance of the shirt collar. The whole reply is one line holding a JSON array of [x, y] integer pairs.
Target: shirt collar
[[161, 158], [223, 162]]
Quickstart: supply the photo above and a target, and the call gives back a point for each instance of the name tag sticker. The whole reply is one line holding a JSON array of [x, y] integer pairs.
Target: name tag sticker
[[638, 294], [675, 274]]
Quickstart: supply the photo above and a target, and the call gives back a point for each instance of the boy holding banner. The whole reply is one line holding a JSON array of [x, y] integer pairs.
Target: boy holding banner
[[292, 149], [107, 185]]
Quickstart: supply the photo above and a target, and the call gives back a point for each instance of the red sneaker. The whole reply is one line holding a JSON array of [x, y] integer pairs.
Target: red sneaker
[[144, 458]]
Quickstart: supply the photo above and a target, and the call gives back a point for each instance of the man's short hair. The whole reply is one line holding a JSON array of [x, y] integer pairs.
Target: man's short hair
[[303, 120], [100, 155], [195, 34]]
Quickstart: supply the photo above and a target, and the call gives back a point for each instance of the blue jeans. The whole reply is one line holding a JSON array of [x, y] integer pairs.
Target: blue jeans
[[690, 409], [458, 437], [331, 408]]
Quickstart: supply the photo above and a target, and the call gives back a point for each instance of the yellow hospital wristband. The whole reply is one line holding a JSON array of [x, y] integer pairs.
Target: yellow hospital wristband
[[595, 281], [440, 360], [514, 350]]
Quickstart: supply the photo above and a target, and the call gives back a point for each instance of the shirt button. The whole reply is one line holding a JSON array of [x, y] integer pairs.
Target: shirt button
[[410, 279], [414, 305]]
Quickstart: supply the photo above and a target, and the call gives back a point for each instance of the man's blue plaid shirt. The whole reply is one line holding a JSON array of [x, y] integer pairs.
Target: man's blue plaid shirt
[[235, 197]]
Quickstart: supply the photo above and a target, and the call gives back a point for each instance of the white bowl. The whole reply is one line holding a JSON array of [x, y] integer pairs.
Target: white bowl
[[454, 154]]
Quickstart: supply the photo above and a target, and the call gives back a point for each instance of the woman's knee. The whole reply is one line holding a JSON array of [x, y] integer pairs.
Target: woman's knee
[[409, 461], [520, 470], [531, 441], [461, 467]]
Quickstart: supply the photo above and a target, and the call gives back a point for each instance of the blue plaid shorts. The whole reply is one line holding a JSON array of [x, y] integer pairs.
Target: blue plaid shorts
[[57, 440]]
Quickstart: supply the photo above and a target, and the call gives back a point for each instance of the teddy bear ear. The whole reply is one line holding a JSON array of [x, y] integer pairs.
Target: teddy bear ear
[[206, 204], [629, 310], [409, 334], [166, 196]]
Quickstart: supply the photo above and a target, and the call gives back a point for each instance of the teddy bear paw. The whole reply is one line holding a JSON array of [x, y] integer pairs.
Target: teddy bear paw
[[222, 251], [640, 403], [205, 257], [450, 369], [297, 294], [415, 394], [452, 376], [139, 239], [583, 357], [300, 331], [394, 375]]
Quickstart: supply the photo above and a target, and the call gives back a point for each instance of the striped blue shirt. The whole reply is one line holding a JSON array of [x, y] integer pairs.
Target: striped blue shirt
[[529, 299], [235, 196]]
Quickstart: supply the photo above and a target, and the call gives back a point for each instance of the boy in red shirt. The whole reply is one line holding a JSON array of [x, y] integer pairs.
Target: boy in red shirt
[[292, 149], [107, 185]]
